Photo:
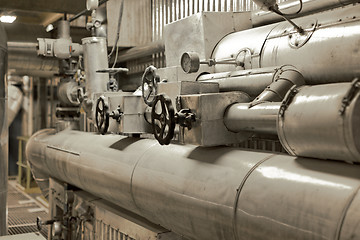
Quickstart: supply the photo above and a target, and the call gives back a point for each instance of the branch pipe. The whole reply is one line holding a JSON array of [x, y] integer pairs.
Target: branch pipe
[[261, 114]]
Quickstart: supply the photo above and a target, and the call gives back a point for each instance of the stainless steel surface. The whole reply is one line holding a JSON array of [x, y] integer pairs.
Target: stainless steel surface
[[95, 58], [203, 31], [262, 17], [205, 193], [313, 126], [3, 132], [15, 100], [209, 109], [260, 118], [329, 55]]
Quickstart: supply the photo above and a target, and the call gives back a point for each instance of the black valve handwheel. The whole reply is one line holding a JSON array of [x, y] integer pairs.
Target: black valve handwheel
[[102, 115], [149, 85], [162, 119]]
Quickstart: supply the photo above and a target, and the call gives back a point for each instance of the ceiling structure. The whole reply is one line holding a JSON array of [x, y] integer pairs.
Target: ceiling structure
[[34, 15]]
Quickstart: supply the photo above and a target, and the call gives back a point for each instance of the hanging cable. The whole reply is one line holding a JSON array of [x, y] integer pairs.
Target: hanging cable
[[276, 10], [118, 30]]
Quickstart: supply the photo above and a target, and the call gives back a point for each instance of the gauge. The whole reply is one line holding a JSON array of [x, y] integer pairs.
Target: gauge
[[190, 62]]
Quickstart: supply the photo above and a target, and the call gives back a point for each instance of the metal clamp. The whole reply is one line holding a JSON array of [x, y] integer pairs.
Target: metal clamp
[[287, 100], [349, 96]]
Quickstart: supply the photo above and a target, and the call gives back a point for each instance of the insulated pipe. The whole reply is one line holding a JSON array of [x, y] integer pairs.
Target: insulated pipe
[[3, 133], [252, 81], [263, 17], [260, 118], [15, 99], [327, 55], [206, 193]]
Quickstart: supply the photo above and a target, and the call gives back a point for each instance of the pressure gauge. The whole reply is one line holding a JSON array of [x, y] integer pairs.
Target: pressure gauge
[[190, 62]]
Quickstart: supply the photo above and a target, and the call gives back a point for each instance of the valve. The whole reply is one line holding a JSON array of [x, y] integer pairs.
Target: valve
[[112, 84], [40, 223], [102, 115], [185, 118], [149, 85], [116, 114], [163, 119]]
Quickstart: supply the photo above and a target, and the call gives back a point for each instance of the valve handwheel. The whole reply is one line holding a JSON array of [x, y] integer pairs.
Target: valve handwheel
[[162, 119], [102, 115], [149, 85]]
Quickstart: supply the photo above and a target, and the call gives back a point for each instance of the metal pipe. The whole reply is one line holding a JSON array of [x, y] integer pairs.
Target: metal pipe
[[15, 99], [141, 51], [22, 47], [206, 193], [252, 81], [3, 133], [260, 118], [263, 17], [326, 53]]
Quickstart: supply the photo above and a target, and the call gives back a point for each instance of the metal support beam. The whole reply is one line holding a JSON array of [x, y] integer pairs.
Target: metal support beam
[[57, 6]]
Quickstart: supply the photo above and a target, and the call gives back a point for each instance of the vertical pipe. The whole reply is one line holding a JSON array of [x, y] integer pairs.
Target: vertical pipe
[[3, 133]]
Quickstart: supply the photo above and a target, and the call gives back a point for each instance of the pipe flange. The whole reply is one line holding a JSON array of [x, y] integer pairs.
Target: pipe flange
[[299, 39]]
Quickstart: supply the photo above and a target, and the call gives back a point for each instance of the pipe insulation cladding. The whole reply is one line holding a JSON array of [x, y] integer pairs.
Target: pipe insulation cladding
[[3, 133], [327, 51], [207, 193]]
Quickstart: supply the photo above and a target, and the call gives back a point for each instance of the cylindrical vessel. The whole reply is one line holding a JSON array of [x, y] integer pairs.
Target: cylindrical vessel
[[260, 118], [95, 58], [67, 93], [323, 122], [262, 17], [327, 52], [205, 193], [3, 133], [15, 99]]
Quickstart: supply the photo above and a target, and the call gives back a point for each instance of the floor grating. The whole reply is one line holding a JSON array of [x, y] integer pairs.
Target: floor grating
[[22, 212]]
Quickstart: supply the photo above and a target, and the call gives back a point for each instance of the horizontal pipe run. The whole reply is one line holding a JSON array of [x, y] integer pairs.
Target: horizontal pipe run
[[260, 118], [205, 193], [253, 81], [261, 17], [141, 51]]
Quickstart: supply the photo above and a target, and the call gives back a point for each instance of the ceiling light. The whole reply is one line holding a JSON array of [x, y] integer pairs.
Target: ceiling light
[[7, 19]]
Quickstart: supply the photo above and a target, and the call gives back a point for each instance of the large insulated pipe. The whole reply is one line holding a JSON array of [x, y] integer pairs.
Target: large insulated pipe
[[328, 54], [206, 193], [3, 133], [312, 121], [262, 17]]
